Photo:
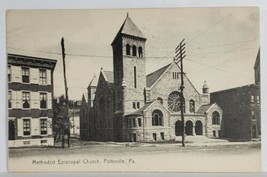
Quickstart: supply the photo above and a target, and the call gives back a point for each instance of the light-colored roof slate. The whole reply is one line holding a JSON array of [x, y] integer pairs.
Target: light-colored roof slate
[[203, 109], [93, 82], [129, 28], [109, 76], [153, 77]]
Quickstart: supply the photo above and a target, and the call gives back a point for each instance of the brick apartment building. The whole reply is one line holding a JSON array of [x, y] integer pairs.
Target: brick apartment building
[[128, 105], [30, 92], [241, 107]]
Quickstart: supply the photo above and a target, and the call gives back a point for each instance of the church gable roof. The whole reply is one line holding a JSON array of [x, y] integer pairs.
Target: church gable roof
[[206, 108], [129, 28], [93, 82], [140, 111], [153, 77], [109, 76], [203, 109]]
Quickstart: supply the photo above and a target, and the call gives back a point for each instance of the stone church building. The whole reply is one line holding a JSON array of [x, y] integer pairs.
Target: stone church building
[[128, 105]]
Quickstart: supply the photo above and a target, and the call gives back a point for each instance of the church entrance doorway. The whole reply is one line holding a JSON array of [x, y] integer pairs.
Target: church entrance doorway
[[189, 128], [199, 128], [178, 128]]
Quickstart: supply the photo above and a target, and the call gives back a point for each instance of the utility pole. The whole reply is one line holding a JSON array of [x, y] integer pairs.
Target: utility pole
[[67, 97], [180, 55]]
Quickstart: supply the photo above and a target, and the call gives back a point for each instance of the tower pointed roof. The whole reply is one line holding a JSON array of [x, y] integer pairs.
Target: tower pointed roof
[[129, 28], [93, 82]]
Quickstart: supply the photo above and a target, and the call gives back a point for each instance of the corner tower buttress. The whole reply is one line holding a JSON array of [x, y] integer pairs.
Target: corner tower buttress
[[129, 67]]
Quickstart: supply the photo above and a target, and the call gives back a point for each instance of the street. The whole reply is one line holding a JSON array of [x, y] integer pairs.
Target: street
[[84, 156]]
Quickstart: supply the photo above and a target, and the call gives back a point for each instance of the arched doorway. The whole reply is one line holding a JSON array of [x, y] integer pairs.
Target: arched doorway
[[189, 128], [199, 128], [11, 130], [178, 128]]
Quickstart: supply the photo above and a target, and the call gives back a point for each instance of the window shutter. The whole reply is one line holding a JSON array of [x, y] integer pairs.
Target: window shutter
[[18, 97], [20, 127], [34, 75], [35, 128], [16, 74], [34, 97], [49, 101], [49, 128], [48, 77]]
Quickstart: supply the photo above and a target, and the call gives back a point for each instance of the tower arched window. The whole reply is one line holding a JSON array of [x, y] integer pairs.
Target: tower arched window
[[128, 49], [215, 118], [134, 50], [140, 52], [192, 106], [157, 118]]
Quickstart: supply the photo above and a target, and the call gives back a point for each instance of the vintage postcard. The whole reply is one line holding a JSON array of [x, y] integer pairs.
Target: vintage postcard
[[134, 90]]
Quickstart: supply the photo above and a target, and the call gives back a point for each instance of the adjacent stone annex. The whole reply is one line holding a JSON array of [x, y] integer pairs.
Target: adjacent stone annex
[[127, 105]]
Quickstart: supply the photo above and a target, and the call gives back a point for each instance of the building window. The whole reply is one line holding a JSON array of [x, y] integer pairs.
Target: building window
[[139, 122], [214, 133], [160, 100], [215, 118], [157, 118], [43, 100], [9, 73], [258, 99], [252, 98], [26, 127], [138, 105], [162, 135], [154, 136], [42, 76], [133, 122], [25, 75], [26, 99], [134, 137], [128, 49], [9, 99], [43, 126], [135, 77], [192, 106], [174, 102], [134, 50], [140, 52], [175, 75], [134, 106], [253, 114]]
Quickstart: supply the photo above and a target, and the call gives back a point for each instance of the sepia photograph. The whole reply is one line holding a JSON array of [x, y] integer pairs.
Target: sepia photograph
[[134, 90]]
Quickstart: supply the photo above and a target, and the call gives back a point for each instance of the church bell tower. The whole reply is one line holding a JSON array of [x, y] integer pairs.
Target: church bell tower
[[129, 67]]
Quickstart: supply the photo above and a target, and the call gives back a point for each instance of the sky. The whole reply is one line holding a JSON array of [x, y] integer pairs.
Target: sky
[[221, 43]]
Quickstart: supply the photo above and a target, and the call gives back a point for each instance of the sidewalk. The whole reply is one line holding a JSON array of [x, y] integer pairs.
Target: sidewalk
[[189, 140]]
